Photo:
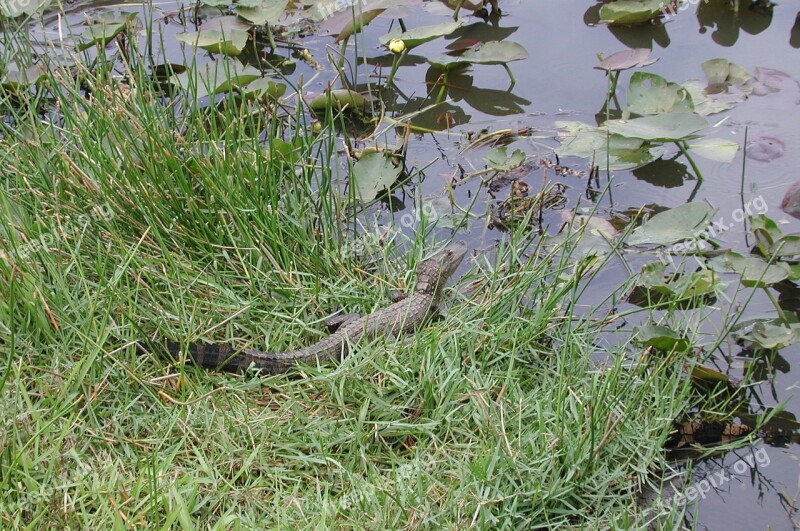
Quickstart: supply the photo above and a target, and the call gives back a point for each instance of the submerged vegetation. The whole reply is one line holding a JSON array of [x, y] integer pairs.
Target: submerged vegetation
[[218, 200]]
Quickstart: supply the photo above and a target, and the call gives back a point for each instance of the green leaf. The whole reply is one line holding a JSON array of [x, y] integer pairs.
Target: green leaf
[[630, 12], [616, 152], [103, 29], [715, 149], [652, 94], [23, 79], [727, 85], [339, 99], [216, 77], [373, 173], [754, 271], [261, 12], [226, 35], [661, 338], [490, 53], [768, 335], [263, 89], [667, 127], [634, 57], [654, 286], [498, 159], [414, 37], [684, 222]]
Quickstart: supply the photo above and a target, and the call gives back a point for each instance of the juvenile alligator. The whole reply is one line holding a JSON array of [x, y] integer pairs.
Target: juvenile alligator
[[401, 316]]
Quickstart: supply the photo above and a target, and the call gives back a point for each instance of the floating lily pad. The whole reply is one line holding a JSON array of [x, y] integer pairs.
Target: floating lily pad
[[769, 81], [667, 127], [727, 84], [715, 149], [25, 78], [791, 200], [654, 286], [754, 271], [611, 151], [661, 338], [225, 35], [630, 12], [635, 57], [765, 148], [216, 77], [767, 335], [706, 375], [104, 28], [414, 37], [498, 159], [770, 240], [263, 89], [722, 74], [339, 99], [490, 53], [374, 173], [261, 12], [684, 222], [652, 94]]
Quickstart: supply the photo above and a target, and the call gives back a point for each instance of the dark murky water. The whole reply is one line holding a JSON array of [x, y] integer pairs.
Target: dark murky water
[[752, 488]]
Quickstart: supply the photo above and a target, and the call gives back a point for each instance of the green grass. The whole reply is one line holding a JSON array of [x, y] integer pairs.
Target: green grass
[[123, 219]]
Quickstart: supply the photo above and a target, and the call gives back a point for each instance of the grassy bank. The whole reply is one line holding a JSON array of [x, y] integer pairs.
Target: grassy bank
[[125, 218]]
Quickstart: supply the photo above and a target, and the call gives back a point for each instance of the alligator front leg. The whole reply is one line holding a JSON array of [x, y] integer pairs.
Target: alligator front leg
[[337, 321]]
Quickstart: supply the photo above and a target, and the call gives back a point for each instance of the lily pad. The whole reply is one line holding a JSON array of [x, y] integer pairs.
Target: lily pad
[[791, 200], [490, 53], [769, 80], [767, 335], [104, 28], [652, 94], [684, 222], [630, 12], [261, 12], [635, 57], [263, 90], [374, 173], [613, 152], [225, 35], [765, 148], [339, 99], [754, 271], [770, 240], [414, 37], [727, 84], [715, 149], [216, 77], [498, 159], [24, 78], [667, 127], [661, 338], [654, 286]]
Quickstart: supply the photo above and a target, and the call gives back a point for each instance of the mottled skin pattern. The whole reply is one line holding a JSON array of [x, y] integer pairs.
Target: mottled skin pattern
[[401, 316]]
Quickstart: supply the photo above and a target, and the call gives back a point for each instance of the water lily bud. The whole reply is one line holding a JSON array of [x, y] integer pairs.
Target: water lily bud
[[397, 45]]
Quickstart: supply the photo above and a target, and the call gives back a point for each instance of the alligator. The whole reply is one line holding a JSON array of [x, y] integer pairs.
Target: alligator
[[403, 315]]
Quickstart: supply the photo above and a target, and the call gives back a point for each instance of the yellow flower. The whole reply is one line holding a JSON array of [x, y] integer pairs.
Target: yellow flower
[[397, 45]]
